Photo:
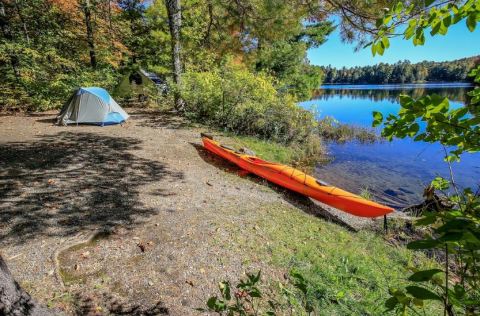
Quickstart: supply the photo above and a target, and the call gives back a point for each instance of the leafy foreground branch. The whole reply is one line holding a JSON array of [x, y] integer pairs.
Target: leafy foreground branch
[[455, 227], [455, 233]]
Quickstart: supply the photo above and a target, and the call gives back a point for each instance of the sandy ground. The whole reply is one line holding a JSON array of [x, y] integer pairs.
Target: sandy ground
[[155, 198]]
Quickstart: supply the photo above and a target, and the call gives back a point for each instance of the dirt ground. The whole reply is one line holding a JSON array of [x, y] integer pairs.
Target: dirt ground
[[122, 219]]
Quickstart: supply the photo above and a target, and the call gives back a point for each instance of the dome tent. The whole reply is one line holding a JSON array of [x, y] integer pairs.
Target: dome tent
[[91, 105]]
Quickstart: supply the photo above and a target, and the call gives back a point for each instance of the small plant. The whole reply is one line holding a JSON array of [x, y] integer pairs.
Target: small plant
[[248, 300], [244, 301], [366, 194]]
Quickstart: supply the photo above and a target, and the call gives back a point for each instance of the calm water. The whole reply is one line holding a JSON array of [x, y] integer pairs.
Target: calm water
[[395, 172]]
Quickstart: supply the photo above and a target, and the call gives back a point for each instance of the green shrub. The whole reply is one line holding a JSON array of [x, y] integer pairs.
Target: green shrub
[[236, 100], [41, 89]]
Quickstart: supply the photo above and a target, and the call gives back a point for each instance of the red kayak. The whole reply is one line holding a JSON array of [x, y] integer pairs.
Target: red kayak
[[299, 181]]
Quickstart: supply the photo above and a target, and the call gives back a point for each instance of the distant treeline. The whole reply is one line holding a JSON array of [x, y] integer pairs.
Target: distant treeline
[[453, 94], [403, 72]]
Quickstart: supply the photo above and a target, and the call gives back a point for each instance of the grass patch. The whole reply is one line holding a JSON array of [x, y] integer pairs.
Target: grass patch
[[301, 156], [346, 273], [265, 149]]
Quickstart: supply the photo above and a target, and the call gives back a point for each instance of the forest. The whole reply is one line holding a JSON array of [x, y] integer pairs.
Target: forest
[[50, 47], [403, 72]]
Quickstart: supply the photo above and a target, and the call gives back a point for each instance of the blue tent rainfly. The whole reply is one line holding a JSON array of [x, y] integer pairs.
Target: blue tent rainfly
[[91, 105]]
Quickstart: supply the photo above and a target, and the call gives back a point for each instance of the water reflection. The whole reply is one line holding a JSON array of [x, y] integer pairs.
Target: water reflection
[[395, 172], [457, 92]]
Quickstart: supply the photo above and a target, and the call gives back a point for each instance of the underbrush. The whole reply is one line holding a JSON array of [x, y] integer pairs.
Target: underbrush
[[235, 100], [46, 89]]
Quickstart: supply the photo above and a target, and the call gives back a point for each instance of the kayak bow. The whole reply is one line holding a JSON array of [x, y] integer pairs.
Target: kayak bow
[[298, 181]]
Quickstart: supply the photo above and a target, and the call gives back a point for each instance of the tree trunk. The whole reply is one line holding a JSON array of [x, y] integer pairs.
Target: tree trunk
[[90, 40], [22, 19], [175, 24], [8, 35], [14, 300], [206, 38], [110, 24]]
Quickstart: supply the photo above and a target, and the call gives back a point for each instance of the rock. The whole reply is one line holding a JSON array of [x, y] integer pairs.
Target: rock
[[247, 151]]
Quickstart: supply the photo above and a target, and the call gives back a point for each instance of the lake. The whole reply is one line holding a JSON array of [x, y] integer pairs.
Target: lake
[[394, 172]]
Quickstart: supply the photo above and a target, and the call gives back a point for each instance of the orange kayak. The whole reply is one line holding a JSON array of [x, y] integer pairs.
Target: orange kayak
[[299, 181]]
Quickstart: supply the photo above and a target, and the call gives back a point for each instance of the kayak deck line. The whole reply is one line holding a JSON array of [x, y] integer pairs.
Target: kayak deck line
[[298, 181]]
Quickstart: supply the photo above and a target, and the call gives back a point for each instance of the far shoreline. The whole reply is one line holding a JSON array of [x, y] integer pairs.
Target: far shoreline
[[381, 86]]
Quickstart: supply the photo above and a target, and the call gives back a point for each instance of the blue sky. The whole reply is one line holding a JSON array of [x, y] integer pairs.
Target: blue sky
[[458, 43]]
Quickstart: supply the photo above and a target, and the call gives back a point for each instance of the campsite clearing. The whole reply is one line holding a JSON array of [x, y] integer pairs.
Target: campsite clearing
[[101, 218]]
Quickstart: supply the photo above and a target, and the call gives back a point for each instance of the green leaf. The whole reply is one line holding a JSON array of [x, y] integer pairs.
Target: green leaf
[[380, 48], [456, 224], [472, 22], [385, 42], [254, 292], [459, 291], [398, 7], [450, 237], [211, 302], [216, 305], [440, 183], [443, 29], [422, 293], [426, 220], [413, 129], [435, 28], [391, 303], [224, 287], [409, 32], [452, 158], [422, 276], [447, 21], [423, 244], [474, 121], [377, 116]]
